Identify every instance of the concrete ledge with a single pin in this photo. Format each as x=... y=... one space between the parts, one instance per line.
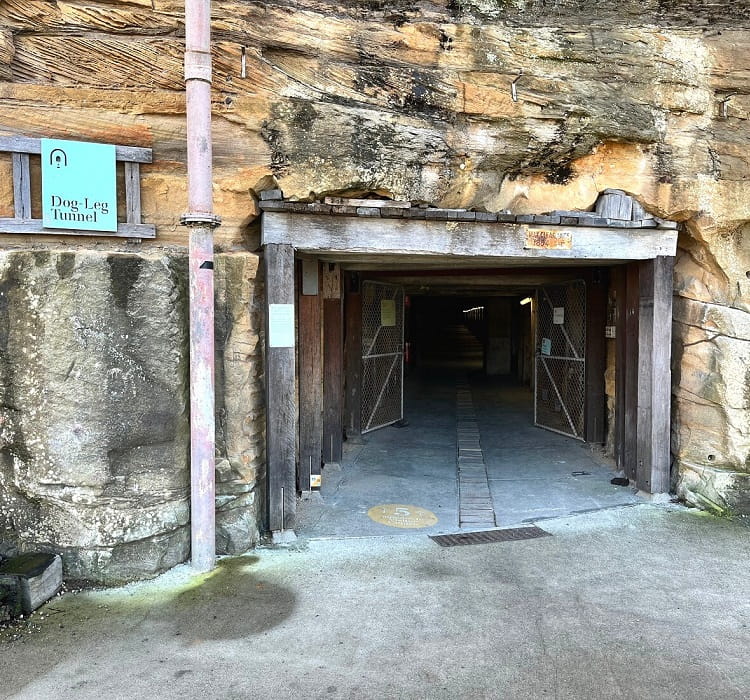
x=283 y=536
x=654 y=497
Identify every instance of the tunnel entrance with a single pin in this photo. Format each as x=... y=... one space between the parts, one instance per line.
x=451 y=424
x=468 y=272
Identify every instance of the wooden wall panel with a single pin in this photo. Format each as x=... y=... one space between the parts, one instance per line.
x=333 y=365
x=353 y=356
x=595 y=423
x=310 y=356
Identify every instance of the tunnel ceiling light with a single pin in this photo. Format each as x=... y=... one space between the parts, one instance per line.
x=525 y=301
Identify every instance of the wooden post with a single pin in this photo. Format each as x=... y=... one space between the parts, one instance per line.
x=333 y=358
x=353 y=355
x=630 y=368
x=281 y=394
x=618 y=286
x=596 y=356
x=132 y=192
x=654 y=376
x=21 y=186
x=310 y=355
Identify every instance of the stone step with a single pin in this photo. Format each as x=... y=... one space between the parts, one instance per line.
x=28 y=580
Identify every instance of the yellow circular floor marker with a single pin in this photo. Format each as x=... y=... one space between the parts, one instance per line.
x=403 y=516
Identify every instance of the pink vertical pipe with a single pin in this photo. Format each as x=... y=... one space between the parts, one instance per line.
x=202 y=487
x=198 y=95
x=201 y=222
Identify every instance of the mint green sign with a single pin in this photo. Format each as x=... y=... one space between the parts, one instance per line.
x=79 y=185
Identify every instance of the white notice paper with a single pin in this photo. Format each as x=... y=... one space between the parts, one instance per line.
x=281 y=325
x=558 y=315
x=387 y=312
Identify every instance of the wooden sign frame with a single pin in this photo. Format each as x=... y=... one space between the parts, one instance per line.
x=22 y=148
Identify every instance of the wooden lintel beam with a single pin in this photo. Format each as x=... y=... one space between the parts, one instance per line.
x=531 y=274
x=350 y=235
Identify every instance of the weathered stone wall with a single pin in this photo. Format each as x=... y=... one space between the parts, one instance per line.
x=240 y=418
x=412 y=100
x=94 y=434
x=94 y=427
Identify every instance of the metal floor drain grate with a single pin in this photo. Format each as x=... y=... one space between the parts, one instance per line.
x=488 y=536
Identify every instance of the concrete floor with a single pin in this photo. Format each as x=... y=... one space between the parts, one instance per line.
x=531 y=472
x=414 y=465
x=637 y=602
x=535 y=473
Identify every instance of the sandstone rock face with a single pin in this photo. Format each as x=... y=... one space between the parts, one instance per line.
x=94 y=434
x=240 y=414
x=527 y=105
x=711 y=440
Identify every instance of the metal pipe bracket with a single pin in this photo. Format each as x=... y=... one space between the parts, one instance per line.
x=198 y=66
x=208 y=220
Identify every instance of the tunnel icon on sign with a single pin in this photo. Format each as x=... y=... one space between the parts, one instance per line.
x=58 y=158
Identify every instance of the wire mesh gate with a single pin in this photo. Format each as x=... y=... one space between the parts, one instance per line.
x=382 y=355
x=560 y=387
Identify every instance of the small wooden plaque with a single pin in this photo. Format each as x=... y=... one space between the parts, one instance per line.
x=548 y=240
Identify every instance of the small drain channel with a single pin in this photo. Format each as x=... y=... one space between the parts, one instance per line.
x=475 y=507
x=489 y=536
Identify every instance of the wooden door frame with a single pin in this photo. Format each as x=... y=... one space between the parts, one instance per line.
x=333 y=364
x=281 y=396
x=352 y=356
x=648 y=307
x=595 y=406
x=310 y=358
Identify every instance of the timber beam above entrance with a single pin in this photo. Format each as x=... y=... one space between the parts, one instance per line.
x=453 y=239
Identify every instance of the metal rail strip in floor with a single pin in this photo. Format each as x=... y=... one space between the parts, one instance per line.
x=475 y=507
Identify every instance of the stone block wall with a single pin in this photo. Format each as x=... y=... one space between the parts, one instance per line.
x=94 y=431
x=93 y=390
